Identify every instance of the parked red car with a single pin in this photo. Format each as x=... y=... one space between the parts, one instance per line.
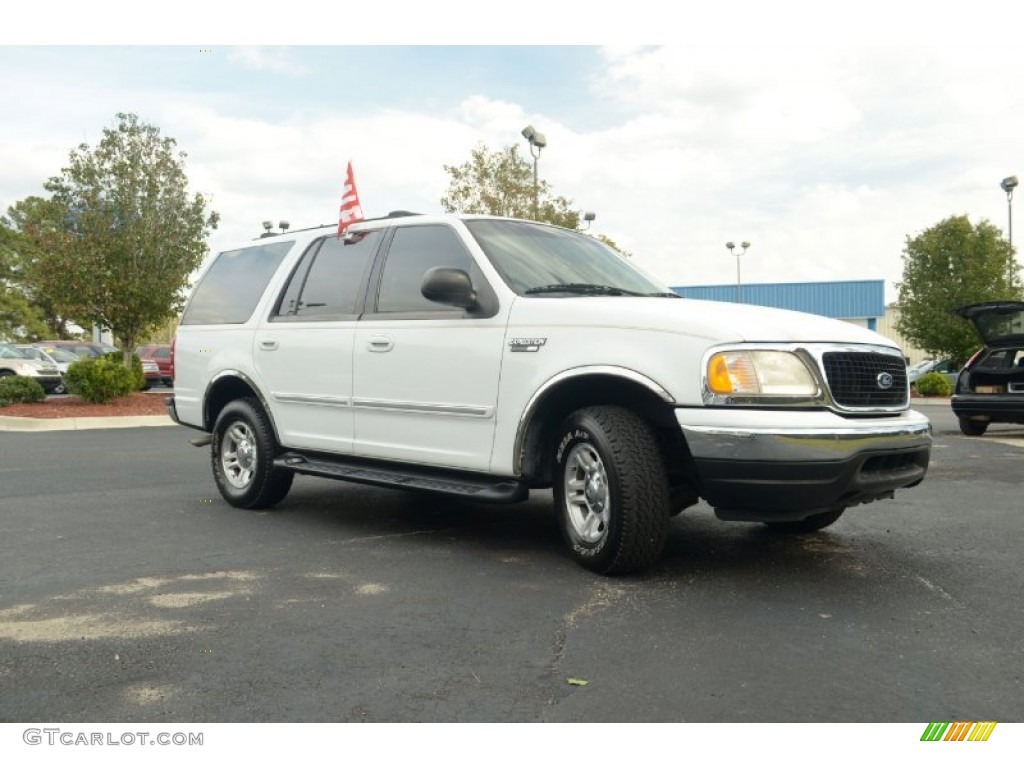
x=162 y=355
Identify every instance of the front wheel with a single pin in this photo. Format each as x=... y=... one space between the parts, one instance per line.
x=809 y=524
x=972 y=428
x=611 y=490
x=242 y=454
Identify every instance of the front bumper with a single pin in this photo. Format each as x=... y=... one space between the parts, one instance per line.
x=784 y=465
x=48 y=383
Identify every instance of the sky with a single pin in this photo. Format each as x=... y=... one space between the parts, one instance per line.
x=823 y=137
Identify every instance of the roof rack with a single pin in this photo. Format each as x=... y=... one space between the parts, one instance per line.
x=390 y=215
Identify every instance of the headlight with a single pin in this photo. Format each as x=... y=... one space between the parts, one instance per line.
x=748 y=376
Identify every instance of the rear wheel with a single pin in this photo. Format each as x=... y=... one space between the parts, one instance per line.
x=972 y=428
x=611 y=490
x=242 y=454
x=809 y=524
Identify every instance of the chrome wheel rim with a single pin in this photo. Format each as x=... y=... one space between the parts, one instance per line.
x=238 y=454
x=587 y=500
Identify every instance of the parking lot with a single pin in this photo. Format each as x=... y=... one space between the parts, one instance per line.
x=130 y=592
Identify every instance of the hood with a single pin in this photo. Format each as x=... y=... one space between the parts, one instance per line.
x=716 y=321
x=998 y=322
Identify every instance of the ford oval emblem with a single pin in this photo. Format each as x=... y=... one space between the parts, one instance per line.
x=884 y=380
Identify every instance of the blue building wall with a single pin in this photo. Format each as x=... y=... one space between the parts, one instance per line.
x=846 y=300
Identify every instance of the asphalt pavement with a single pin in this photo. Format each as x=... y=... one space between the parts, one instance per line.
x=130 y=592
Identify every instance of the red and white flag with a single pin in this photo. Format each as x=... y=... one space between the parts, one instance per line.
x=350 y=211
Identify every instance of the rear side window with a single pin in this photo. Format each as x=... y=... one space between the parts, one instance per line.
x=329 y=281
x=232 y=286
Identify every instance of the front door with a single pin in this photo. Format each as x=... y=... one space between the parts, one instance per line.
x=426 y=374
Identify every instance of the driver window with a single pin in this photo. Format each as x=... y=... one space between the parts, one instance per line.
x=414 y=251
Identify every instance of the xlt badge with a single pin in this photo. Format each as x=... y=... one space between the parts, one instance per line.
x=526 y=345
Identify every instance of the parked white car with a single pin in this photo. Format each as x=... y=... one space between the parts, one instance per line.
x=944 y=367
x=16 y=362
x=61 y=358
x=484 y=357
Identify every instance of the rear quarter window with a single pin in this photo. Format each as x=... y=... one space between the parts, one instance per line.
x=232 y=286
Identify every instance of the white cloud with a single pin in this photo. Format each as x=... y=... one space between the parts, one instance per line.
x=824 y=158
x=265 y=58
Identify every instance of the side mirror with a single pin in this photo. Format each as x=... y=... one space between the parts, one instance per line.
x=447 y=285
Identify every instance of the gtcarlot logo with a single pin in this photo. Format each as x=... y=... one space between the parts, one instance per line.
x=57 y=736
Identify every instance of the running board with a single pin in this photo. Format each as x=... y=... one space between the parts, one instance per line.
x=465 y=485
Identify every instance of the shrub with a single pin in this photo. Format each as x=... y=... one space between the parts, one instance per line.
x=20 y=389
x=100 y=379
x=934 y=385
x=140 y=377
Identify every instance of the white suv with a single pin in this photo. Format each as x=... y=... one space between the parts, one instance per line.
x=484 y=357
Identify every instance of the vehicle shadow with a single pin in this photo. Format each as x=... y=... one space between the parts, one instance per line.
x=698 y=546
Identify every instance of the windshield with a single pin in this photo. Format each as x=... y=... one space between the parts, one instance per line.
x=62 y=355
x=538 y=259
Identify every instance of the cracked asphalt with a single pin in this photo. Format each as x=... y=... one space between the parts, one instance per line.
x=129 y=592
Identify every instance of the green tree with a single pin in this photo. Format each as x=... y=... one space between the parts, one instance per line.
x=950 y=265
x=500 y=183
x=119 y=235
x=41 y=224
x=614 y=246
x=20 y=318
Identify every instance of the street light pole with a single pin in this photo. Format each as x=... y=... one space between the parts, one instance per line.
x=739 y=282
x=537 y=143
x=1008 y=184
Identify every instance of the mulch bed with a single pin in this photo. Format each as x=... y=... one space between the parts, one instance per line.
x=136 y=404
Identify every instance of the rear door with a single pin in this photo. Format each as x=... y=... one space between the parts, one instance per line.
x=303 y=351
x=998 y=322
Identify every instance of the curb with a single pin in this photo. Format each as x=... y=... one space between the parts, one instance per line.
x=28 y=424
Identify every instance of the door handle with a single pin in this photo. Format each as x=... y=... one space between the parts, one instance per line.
x=380 y=344
x=268 y=344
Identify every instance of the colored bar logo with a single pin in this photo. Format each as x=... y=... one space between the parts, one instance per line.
x=958 y=731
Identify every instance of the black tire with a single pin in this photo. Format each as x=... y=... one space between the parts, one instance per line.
x=242 y=455
x=809 y=524
x=168 y=382
x=611 y=490
x=60 y=389
x=972 y=428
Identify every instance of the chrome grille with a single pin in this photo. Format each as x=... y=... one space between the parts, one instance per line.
x=854 y=378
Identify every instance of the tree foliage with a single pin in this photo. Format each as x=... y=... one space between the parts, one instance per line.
x=951 y=265
x=119 y=235
x=500 y=183
x=20 y=318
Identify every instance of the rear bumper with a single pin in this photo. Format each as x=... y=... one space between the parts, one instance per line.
x=758 y=465
x=172 y=411
x=1007 y=407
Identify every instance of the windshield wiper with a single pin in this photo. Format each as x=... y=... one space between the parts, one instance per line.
x=586 y=289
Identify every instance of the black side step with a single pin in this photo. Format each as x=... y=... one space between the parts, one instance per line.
x=476 y=487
